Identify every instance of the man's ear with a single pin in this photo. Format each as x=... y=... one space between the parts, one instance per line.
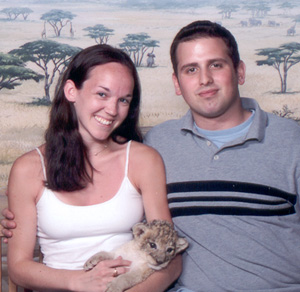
x=176 y=84
x=241 y=72
x=70 y=91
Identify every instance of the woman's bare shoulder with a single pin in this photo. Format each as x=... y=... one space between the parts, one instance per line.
x=28 y=164
x=138 y=146
x=142 y=152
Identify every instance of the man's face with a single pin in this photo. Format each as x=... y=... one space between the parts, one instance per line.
x=208 y=82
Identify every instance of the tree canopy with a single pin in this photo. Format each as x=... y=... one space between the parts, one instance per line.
x=99 y=33
x=136 y=46
x=13 y=12
x=258 y=8
x=227 y=9
x=50 y=56
x=282 y=59
x=286 y=6
x=58 y=19
x=12 y=71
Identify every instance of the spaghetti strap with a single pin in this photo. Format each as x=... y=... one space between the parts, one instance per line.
x=127 y=157
x=42 y=161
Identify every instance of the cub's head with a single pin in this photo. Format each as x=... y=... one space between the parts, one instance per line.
x=159 y=241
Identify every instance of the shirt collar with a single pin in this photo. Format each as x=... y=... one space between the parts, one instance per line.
x=256 y=131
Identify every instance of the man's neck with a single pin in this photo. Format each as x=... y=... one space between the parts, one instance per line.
x=228 y=120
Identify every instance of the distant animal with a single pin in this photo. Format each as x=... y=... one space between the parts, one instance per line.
x=291 y=31
x=150 y=60
x=255 y=22
x=244 y=23
x=273 y=23
x=72 y=32
x=153 y=246
x=43 y=34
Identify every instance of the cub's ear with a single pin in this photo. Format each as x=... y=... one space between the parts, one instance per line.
x=181 y=244
x=139 y=229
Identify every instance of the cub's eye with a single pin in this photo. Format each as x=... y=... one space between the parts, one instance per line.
x=152 y=245
x=170 y=250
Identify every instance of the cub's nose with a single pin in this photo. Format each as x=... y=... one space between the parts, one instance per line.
x=160 y=260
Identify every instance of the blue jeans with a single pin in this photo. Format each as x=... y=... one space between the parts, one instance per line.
x=184 y=290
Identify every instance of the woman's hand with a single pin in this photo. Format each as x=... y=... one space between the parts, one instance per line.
x=100 y=276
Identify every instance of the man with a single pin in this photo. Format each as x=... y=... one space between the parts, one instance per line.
x=233 y=173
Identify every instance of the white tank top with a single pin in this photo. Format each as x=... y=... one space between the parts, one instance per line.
x=68 y=235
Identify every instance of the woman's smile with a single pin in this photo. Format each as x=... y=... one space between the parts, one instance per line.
x=103 y=121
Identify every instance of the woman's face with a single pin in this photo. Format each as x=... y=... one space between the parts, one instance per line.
x=102 y=104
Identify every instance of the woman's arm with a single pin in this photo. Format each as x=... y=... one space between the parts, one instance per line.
x=148 y=173
x=146 y=168
x=25 y=184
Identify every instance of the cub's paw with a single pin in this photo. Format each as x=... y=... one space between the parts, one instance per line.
x=113 y=287
x=91 y=262
x=95 y=259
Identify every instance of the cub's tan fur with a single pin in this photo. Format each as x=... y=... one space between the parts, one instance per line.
x=153 y=246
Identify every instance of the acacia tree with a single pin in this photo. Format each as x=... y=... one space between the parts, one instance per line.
x=58 y=19
x=99 y=33
x=227 y=9
x=258 y=8
x=282 y=59
x=12 y=71
x=136 y=45
x=10 y=13
x=25 y=11
x=50 y=56
x=287 y=7
x=13 y=12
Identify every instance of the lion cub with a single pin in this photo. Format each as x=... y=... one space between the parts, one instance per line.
x=153 y=246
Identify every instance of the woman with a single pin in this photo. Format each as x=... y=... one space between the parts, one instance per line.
x=83 y=190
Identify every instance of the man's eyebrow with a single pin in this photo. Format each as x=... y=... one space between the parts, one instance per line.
x=188 y=65
x=195 y=64
x=218 y=60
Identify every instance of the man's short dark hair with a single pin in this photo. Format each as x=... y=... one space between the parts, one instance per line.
x=205 y=29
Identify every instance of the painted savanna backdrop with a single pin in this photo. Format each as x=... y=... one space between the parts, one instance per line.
x=38 y=38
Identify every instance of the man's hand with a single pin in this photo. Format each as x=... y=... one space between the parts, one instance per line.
x=7 y=224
